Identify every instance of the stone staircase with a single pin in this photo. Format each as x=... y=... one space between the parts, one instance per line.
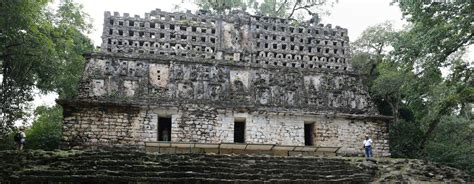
x=139 y=167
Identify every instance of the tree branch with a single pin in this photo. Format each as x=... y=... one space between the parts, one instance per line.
x=281 y=7
x=293 y=10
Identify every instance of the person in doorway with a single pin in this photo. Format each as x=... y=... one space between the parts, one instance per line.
x=368 y=146
x=165 y=134
x=20 y=138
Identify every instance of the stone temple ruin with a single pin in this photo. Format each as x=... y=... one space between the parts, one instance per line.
x=239 y=78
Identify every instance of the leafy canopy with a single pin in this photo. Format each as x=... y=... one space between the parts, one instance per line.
x=39 y=49
x=419 y=75
x=288 y=9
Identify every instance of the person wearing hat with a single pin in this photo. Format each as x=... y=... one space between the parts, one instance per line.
x=368 y=146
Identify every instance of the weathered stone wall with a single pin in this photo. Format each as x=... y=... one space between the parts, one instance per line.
x=274 y=129
x=349 y=135
x=107 y=126
x=168 y=80
x=124 y=126
x=201 y=124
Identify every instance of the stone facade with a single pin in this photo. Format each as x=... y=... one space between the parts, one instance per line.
x=205 y=73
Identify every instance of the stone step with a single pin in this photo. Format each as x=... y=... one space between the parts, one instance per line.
x=228 y=160
x=204 y=168
x=207 y=158
x=187 y=174
x=146 y=180
x=138 y=175
x=136 y=165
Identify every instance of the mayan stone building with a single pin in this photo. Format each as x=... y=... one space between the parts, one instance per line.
x=204 y=78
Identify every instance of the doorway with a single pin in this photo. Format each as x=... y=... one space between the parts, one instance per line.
x=308 y=134
x=239 y=132
x=164 y=129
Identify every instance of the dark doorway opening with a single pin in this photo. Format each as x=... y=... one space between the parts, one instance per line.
x=164 y=129
x=239 y=132
x=308 y=134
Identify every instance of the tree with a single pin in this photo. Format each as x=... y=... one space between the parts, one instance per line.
x=376 y=40
x=39 y=49
x=439 y=31
x=406 y=74
x=288 y=9
x=371 y=57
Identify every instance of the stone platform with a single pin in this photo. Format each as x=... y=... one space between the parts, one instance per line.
x=235 y=148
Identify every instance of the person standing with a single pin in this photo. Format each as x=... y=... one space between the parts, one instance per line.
x=165 y=135
x=368 y=146
x=20 y=138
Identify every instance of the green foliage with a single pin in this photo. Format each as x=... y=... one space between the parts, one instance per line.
x=46 y=131
x=453 y=143
x=375 y=39
x=8 y=142
x=39 y=49
x=288 y=9
x=224 y=6
x=432 y=112
x=404 y=138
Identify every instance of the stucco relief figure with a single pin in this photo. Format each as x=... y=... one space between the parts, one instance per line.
x=176 y=73
x=276 y=80
x=221 y=74
x=276 y=92
x=291 y=98
x=311 y=88
x=340 y=100
x=263 y=95
x=123 y=68
x=213 y=74
x=109 y=68
x=361 y=102
x=199 y=91
x=140 y=69
x=206 y=74
x=259 y=80
x=292 y=82
x=282 y=97
x=201 y=73
x=215 y=91
x=239 y=86
x=170 y=91
x=194 y=74
x=186 y=91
